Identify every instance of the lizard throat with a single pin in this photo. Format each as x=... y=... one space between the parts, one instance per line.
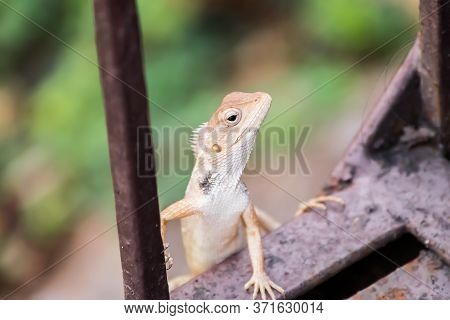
x=217 y=171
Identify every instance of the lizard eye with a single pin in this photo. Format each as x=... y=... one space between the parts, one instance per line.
x=232 y=117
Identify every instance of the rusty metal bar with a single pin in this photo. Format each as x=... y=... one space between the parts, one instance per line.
x=435 y=65
x=399 y=105
x=126 y=108
x=428 y=270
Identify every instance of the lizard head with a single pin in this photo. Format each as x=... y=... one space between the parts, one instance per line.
x=238 y=118
x=223 y=145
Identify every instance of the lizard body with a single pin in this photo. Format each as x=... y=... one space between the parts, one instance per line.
x=218 y=216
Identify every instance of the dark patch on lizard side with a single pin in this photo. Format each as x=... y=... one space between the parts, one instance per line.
x=206 y=182
x=244 y=188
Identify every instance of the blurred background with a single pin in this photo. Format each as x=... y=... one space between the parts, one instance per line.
x=56 y=200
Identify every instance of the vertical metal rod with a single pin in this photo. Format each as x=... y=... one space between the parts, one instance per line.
x=435 y=65
x=126 y=108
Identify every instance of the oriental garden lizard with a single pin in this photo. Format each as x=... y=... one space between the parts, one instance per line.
x=218 y=217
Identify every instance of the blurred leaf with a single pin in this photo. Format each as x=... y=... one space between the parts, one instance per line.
x=27 y=49
x=354 y=26
x=47 y=219
x=163 y=22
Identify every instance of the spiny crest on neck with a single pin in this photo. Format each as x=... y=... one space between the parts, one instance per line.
x=194 y=141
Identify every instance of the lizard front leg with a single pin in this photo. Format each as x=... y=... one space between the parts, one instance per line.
x=178 y=210
x=260 y=280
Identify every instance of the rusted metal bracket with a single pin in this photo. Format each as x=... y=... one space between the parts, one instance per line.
x=126 y=108
x=395 y=285
x=394 y=181
x=382 y=204
x=435 y=65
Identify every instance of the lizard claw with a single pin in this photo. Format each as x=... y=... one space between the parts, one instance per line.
x=168 y=260
x=318 y=203
x=262 y=283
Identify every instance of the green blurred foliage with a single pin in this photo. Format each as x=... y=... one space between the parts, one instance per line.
x=354 y=26
x=188 y=70
x=164 y=22
x=25 y=44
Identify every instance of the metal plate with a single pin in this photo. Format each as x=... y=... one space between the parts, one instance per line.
x=429 y=271
x=383 y=203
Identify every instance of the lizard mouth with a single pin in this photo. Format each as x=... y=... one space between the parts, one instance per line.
x=264 y=108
